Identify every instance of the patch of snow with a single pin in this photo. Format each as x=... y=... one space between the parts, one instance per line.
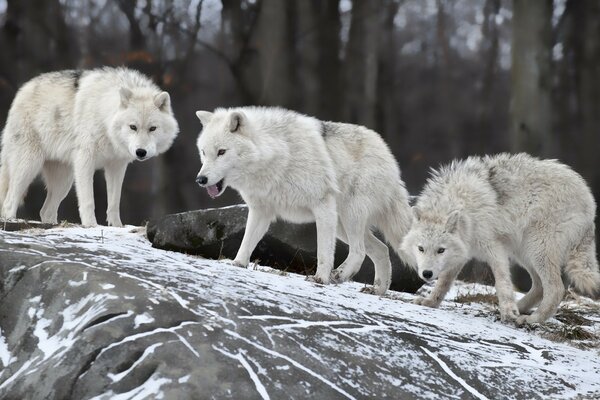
x=141 y=319
x=149 y=390
x=107 y=286
x=5 y=355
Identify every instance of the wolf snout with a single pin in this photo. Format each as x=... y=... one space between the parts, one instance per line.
x=141 y=153
x=201 y=180
x=427 y=274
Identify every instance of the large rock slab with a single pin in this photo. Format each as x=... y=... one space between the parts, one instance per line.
x=98 y=313
x=217 y=233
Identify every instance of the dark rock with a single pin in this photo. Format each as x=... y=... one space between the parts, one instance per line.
x=217 y=233
x=19 y=225
x=98 y=313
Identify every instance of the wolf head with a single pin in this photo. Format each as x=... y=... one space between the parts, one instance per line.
x=225 y=146
x=437 y=244
x=144 y=125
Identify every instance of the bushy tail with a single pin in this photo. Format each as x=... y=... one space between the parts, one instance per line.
x=3 y=182
x=394 y=223
x=582 y=267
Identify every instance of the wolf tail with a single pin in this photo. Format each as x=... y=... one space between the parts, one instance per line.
x=3 y=181
x=582 y=266
x=395 y=221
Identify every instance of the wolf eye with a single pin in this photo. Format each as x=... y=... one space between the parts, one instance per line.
x=152 y=129
x=221 y=152
x=441 y=250
x=133 y=127
x=420 y=248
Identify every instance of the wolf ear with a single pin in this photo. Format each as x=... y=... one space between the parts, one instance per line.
x=126 y=95
x=453 y=221
x=236 y=121
x=162 y=101
x=204 y=117
x=416 y=212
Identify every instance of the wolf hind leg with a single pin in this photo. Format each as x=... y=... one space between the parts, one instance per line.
x=553 y=292
x=533 y=296
x=22 y=169
x=354 y=228
x=378 y=252
x=59 y=180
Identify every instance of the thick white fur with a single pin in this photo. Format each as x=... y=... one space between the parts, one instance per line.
x=300 y=169
x=539 y=213
x=67 y=124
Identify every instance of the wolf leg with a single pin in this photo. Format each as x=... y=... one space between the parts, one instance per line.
x=553 y=293
x=84 y=184
x=326 y=218
x=378 y=252
x=533 y=296
x=22 y=172
x=256 y=226
x=59 y=179
x=500 y=266
x=354 y=229
x=114 y=173
x=443 y=284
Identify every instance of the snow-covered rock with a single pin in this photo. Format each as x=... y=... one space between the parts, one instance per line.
x=217 y=233
x=98 y=313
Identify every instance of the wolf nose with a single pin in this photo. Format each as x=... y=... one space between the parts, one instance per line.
x=141 y=153
x=201 y=180
x=427 y=274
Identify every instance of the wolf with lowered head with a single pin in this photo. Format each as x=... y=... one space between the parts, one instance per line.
x=538 y=213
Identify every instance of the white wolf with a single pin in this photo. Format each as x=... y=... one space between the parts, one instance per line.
x=67 y=124
x=300 y=169
x=539 y=213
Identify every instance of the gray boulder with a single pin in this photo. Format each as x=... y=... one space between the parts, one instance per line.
x=98 y=313
x=217 y=233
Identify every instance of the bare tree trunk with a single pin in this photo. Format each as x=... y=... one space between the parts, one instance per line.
x=387 y=107
x=589 y=89
x=530 y=106
x=137 y=39
x=481 y=136
x=274 y=62
x=362 y=62
x=308 y=45
x=318 y=59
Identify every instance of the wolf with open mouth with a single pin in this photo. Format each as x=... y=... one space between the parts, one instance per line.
x=294 y=167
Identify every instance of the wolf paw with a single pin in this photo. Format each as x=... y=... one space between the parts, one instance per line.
x=318 y=279
x=426 y=301
x=337 y=276
x=509 y=312
x=234 y=263
x=373 y=290
x=527 y=320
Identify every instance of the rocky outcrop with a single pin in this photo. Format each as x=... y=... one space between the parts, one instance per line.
x=217 y=233
x=98 y=313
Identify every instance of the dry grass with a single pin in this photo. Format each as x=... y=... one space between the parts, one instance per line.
x=469 y=298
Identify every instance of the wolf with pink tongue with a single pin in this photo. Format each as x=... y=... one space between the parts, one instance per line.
x=294 y=167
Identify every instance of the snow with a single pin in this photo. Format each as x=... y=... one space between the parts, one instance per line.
x=466 y=341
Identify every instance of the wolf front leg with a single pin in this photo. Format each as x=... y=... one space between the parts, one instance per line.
x=326 y=217
x=443 y=284
x=114 y=174
x=256 y=227
x=498 y=261
x=83 y=165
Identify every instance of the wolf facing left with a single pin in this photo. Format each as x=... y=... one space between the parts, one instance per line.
x=68 y=124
